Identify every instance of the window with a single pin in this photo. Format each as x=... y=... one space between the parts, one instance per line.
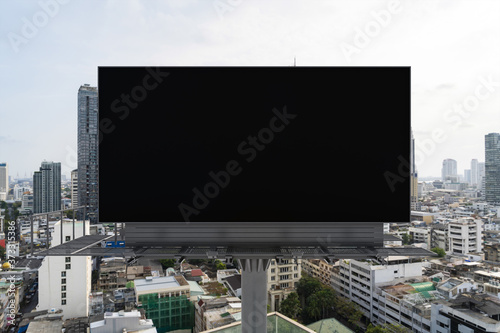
x=63 y=302
x=68 y=266
x=63 y=281
x=63 y=273
x=68 y=259
x=63 y=288
x=63 y=295
x=272 y=270
x=295 y=275
x=68 y=238
x=273 y=278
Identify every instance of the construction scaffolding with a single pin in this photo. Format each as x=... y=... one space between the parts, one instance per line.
x=168 y=313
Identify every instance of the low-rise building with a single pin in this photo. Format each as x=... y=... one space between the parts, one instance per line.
x=282 y=278
x=468 y=313
x=318 y=269
x=211 y=313
x=122 y=321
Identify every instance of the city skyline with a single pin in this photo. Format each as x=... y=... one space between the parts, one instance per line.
x=42 y=69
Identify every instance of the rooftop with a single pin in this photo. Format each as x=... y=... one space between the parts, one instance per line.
x=45 y=326
x=329 y=325
x=155 y=283
x=234 y=281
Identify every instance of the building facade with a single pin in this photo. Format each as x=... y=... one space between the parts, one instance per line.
x=47 y=188
x=4 y=181
x=465 y=236
x=282 y=278
x=74 y=188
x=65 y=282
x=492 y=168
x=356 y=280
x=88 y=140
x=166 y=301
x=449 y=169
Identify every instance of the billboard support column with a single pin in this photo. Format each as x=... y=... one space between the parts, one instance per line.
x=254 y=295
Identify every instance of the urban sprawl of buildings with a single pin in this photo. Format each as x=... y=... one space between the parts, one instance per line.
x=456 y=216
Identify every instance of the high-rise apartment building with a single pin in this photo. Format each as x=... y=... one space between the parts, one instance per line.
x=492 y=168
x=47 y=188
x=474 y=172
x=88 y=140
x=449 y=169
x=413 y=176
x=480 y=172
x=4 y=181
x=74 y=188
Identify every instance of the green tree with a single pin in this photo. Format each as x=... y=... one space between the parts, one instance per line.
x=439 y=251
x=306 y=287
x=220 y=265
x=375 y=329
x=407 y=239
x=326 y=298
x=290 y=306
x=166 y=263
x=69 y=213
x=347 y=309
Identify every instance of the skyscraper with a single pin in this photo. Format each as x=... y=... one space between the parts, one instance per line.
x=4 y=181
x=47 y=188
x=480 y=172
x=413 y=176
x=492 y=168
x=449 y=169
x=88 y=139
x=467 y=176
x=474 y=172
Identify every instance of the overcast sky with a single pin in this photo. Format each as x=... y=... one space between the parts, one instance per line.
x=49 y=48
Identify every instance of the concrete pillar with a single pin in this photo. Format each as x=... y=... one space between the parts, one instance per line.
x=254 y=295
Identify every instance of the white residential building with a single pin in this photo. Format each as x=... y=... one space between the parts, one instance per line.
x=358 y=279
x=19 y=191
x=123 y=322
x=468 y=313
x=282 y=279
x=420 y=235
x=465 y=236
x=65 y=282
x=4 y=181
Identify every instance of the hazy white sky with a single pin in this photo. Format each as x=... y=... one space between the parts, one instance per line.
x=49 y=48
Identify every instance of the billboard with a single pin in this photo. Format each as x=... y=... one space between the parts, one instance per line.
x=253 y=147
